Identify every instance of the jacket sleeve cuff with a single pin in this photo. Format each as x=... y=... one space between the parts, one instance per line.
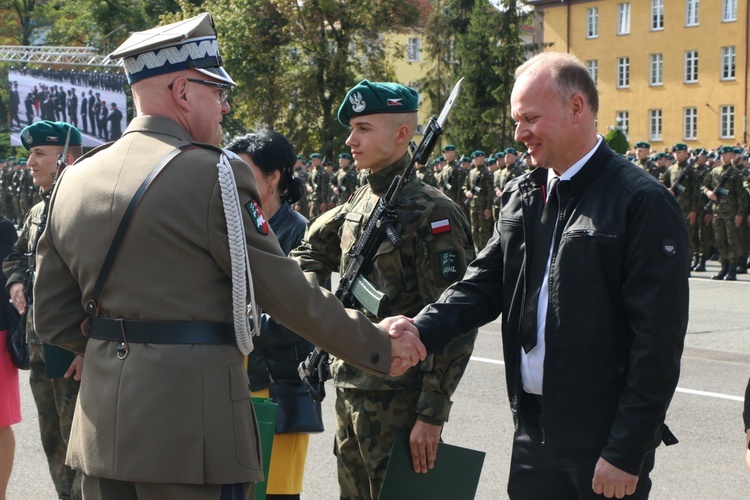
x=433 y=406
x=629 y=462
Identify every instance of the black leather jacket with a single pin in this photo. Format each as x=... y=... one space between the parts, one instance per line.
x=618 y=305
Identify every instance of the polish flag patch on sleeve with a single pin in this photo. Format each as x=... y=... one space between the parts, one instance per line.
x=440 y=226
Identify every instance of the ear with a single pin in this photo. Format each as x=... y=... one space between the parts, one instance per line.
x=402 y=134
x=577 y=105
x=274 y=177
x=179 y=93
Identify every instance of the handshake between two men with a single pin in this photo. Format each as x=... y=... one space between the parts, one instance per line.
x=406 y=348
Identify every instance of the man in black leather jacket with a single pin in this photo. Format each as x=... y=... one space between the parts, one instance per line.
x=589 y=397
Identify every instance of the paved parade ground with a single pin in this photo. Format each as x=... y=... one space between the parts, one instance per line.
x=705 y=415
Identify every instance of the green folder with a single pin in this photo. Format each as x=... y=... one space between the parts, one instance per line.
x=56 y=360
x=455 y=475
x=265 y=413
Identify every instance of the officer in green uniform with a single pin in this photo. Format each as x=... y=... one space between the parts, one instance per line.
x=702 y=233
x=680 y=178
x=55 y=397
x=643 y=160
x=436 y=247
x=320 y=181
x=723 y=186
x=347 y=181
x=479 y=191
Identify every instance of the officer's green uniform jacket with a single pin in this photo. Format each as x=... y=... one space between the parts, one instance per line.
x=733 y=202
x=321 y=184
x=413 y=275
x=689 y=196
x=17 y=263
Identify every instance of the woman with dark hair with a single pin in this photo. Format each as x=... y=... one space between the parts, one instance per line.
x=278 y=351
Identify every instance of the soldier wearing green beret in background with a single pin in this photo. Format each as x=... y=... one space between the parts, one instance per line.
x=682 y=180
x=702 y=233
x=347 y=180
x=643 y=160
x=320 y=181
x=452 y=176
x=435 y=251
x=55 y=398
x=723 y=186
x=479 y=191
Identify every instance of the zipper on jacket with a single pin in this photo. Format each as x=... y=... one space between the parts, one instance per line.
x=592 y=233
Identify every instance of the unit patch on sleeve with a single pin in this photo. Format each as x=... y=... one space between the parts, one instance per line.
x=449 y=265
x=440 y=226
x=259 y=220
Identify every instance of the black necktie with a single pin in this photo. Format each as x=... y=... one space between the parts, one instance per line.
x=540 y=254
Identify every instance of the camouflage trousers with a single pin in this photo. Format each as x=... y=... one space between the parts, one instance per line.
x=701 y=235
x=727 y=238
x=55 y=400
x=481 y=228
x=744 y=240
x=366 y=423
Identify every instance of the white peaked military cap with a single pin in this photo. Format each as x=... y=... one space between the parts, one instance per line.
x=174 y=47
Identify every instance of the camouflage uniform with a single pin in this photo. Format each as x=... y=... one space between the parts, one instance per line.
x=702 y=234
x=435 y=252
x=744 y=227
x=362 y=177
x=729 y=205
x=687 y=191
x=648 y=165
x=479 y=182
x=55 y=398
x=347 y=184
x=303 y=205
x=452 y=178
x=6 y=181
x=427 y=176
x=320 y=181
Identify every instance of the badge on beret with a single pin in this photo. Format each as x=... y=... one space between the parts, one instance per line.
x=358 y=104
x=448 y=267
x=256 y=214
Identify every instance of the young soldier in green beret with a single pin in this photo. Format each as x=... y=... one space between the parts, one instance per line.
x=346 y=177
x=435 y=251
x=478 y=189
x=643 y=160
x=55 y=398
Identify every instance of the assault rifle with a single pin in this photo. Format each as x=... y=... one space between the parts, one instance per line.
x=677 y=187
x=354 y=289
x=720 y=189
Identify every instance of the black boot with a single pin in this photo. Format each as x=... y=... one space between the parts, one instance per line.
x=696 y=261
x=701 y=267
x=723 y=272
x=732 y=273
x=742 y=267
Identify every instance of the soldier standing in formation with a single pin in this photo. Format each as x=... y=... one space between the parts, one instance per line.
x=723 y=187
x=479 y=191
x=702 y=232
x=300 y=172
x=55 y=397
x=321 y=186
x=346 y=179
x=435 y=250
x=643 y=160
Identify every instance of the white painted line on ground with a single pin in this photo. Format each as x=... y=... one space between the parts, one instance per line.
x=679 y=389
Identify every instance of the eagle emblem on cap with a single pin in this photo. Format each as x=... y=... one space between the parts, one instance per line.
x=358 y=104
x=27 y=138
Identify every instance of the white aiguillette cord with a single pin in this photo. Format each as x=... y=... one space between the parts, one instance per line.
x=246 y=317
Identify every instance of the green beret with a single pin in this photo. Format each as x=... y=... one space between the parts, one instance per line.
x=436 y=161
x=316 y=155
x=659 y=156
x=726 y=149
x=10 y=158
x=477 y=153
x=712 y=155
x=345 y=156
x=441 y=158
x=642 y=144
x=492 y=160
x=737 y=151
x=699 y=151
x=369 y=98
x=511 y=151
x=465 y=159
x=680 y=146
x=449 y=147
x=46 y=133
x=300 y=157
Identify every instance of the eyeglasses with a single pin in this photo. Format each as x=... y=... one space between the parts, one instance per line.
x=225 y=88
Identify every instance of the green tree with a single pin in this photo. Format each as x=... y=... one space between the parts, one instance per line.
x=26 y=16
x=617 y=140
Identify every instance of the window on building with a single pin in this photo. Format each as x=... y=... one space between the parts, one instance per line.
x=593 y=67
x=622 y=119
x=654 y=124
x=691 y=66
x=690 y=124
x=691 y=12
x=623 y=72
x=729 y=10
x=592 y=22
x=726 y=122
x=414 y=49
x=728 y=63
x=656 y=71
x=623 y=19
x=657 y=15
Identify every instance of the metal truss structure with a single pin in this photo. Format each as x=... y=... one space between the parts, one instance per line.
x=48 y=54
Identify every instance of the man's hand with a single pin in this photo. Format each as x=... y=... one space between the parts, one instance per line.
x=17 y=297
x=711 y=195
x=423 y=441
x=738 y=220
x=692 y=216
x=707 y=219
x=406 y=348
x=487 y=213
x=76 y=368
x=611 y=481
x=747 y=449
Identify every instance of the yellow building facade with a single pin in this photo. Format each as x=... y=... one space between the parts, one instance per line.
x=668 y=71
